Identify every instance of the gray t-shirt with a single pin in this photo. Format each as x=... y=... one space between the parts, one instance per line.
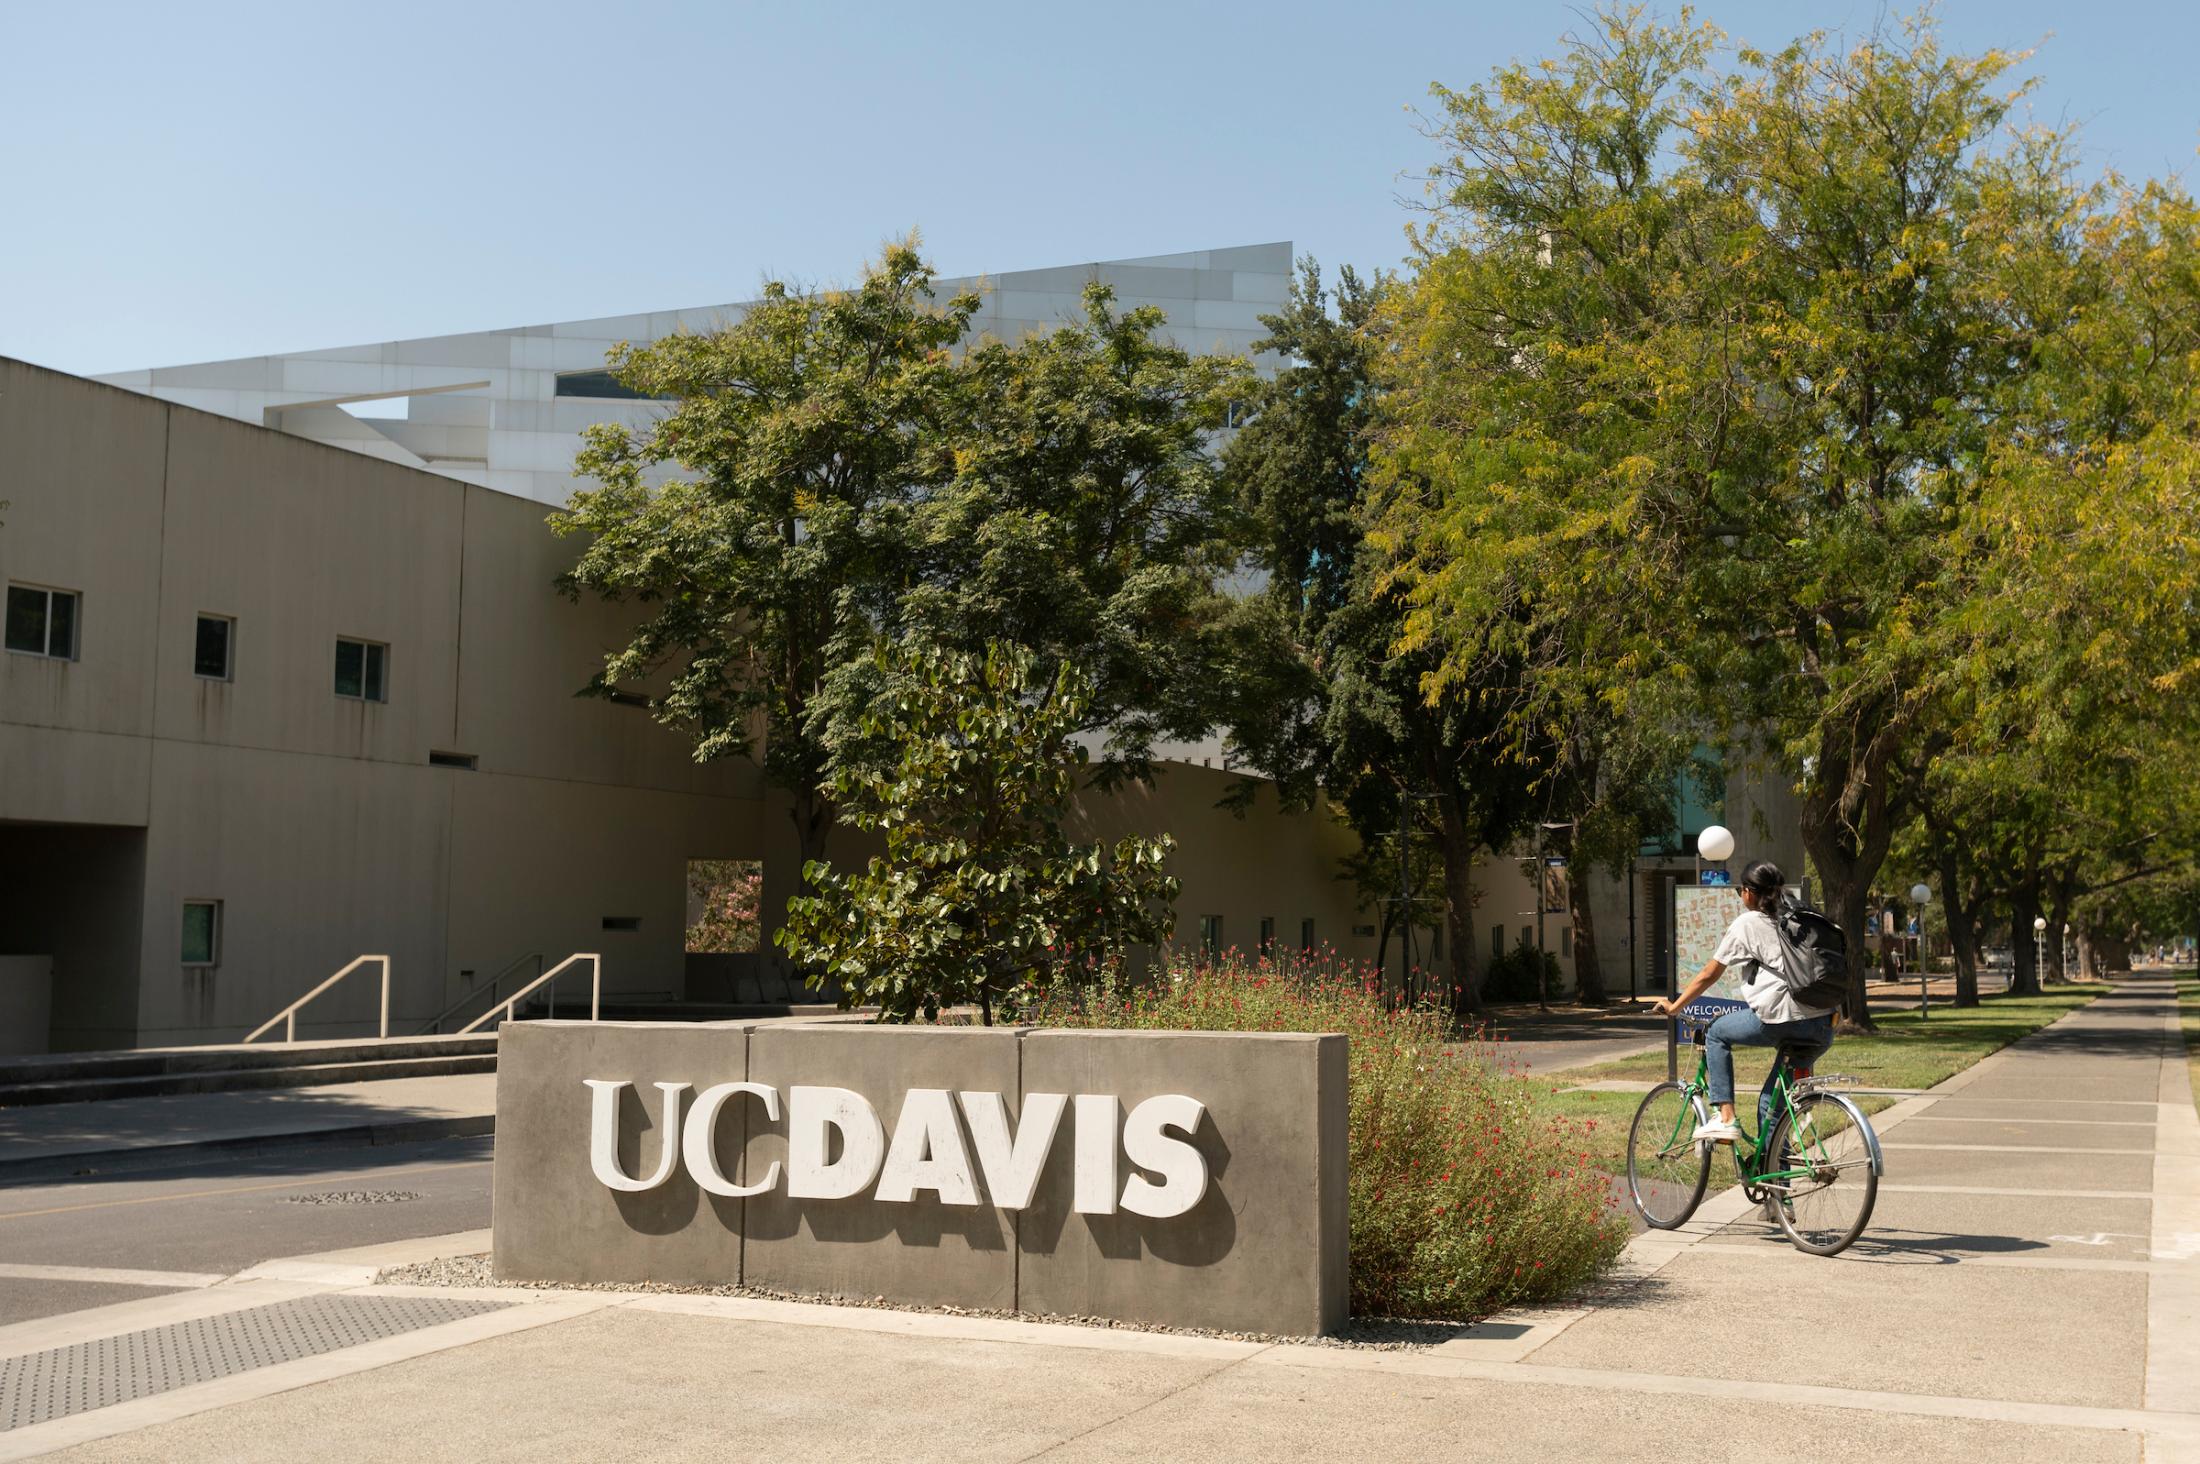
x=1751 y=949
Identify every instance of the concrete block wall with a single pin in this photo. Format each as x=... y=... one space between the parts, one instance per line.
x=1263 y=1250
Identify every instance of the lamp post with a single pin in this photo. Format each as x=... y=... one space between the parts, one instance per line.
x=2039 y=949
x=1921 y=894
x=1715 y=843
x=1542 y=899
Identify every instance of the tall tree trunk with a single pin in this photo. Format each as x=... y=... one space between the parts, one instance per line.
x=1962 y=932
x=1849 y=890
x=2024 y=905
x=1588 y=975
x=1457 y=846
x=1846 y=829
x=812 y=814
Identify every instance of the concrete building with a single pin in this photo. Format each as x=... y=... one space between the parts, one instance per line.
x=289 y=703
x=504 y=409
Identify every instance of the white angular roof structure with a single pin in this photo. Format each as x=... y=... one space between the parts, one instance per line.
x=505 y=408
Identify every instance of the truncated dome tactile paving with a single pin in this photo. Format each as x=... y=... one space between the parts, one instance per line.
x=38 y=1387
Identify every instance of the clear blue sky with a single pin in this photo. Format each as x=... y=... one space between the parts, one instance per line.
x=191 y=182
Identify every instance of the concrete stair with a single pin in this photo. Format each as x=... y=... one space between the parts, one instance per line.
x=89 y=1076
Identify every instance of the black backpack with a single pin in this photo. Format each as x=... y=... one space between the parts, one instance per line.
x=1817 y=957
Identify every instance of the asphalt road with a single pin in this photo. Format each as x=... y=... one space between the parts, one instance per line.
x=220 y=1218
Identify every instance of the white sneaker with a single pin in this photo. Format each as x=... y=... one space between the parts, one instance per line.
x=1718 y=1131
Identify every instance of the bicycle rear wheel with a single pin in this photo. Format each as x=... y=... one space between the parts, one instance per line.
x=1666 y=1168
x=1826 y=1198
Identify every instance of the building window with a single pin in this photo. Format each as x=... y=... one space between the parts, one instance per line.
x=1527 y=937
x=210 y=651
x=464 y=761
x=622 y=922
x=1566 y=941
x=1210 y=935
x=1306 y=936
x=1267 y=935
x=362 y=670
x=1497 y=942
x=202 y=932
x=1436 y=944
x=601 y=386
x=42 y=622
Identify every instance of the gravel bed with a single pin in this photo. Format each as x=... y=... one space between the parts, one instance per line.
x=352 y=1197
x=1374 y=1333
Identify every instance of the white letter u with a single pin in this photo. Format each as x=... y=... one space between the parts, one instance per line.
x=603 y=1134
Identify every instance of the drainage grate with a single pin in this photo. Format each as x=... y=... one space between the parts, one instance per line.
x=61 y=1381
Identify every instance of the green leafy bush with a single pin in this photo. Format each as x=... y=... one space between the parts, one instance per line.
x=1465 y=1198
x=968 y=769
x=1512 y=976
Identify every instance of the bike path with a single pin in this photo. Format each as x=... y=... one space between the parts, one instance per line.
x=2034 y=1242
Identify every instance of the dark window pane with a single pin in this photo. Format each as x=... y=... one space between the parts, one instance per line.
x=26 y=619
x=198 y=933
x=601 y=385
x=211 y=657
x=376 y=689
x=61 y=626
x=350 y=668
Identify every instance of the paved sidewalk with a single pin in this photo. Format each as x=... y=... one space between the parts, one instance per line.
x=59 y=1139
x=2029 y=1291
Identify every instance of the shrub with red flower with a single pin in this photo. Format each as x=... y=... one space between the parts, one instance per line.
x=1465 y=1198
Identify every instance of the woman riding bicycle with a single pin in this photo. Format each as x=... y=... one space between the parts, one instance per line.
x=1774 y=1018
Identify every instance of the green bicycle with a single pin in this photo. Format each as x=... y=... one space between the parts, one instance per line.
x=1816 y=1173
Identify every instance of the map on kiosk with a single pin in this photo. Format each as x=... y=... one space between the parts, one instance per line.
x=1701 y=914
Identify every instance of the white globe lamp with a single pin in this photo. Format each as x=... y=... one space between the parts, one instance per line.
x=1715 y=843
x=1919 y=894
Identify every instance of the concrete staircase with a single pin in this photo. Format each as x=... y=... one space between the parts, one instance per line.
x=151 y=1072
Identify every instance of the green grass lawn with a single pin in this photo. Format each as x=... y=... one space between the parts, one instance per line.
x=1906 y=1052
x=2188 y=1013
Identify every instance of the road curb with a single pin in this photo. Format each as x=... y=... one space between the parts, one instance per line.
x=43 y=1168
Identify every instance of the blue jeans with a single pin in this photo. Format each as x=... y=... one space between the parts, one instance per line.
x=1745 y=1029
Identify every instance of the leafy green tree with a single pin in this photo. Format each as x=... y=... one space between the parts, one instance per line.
x=1699 y=361
x=829 y=471
x=1327 y=700
x=762 y=521
x=1085 y=522
x=968 y=771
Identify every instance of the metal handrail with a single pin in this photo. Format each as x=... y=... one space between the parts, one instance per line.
x=288 y=1016
x=595 y=990
x=473 y=993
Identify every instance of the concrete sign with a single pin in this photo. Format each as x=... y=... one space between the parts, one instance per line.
x=1058 y=1172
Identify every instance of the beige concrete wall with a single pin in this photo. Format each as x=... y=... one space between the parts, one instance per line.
x=541 y=864
x=529 y=650
x=317 y=820
x=81 y=469
x=303 y=545
x=315 y=860
x=1271 y=862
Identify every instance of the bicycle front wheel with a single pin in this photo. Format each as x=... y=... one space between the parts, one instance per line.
x=1666 y=1168
x=1819 y=1174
